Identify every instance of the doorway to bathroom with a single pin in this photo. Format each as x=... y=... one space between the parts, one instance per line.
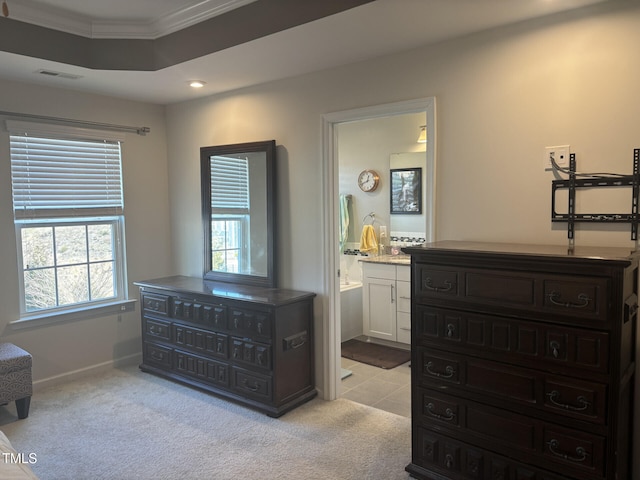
x=354 y=141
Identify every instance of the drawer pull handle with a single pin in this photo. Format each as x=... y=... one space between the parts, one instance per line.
x=451 y=330
x=448 y=286
x=253 y=388
x=580 y=452
x=555 y=348
x=157 y=356
x=449 y=413
x=448 y=460
x=583 y=297
x=449 y=371
x=584 y=403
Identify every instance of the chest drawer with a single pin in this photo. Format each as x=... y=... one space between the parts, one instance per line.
x=453 y=458
x=540 y=444
x=526 y=343
x=531 y=390
x=565 y=295
x=511 y=432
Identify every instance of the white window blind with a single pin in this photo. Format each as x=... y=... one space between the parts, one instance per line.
x=58 y=177
x=229 y=185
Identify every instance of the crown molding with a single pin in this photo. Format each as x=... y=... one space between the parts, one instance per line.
x=156 y=27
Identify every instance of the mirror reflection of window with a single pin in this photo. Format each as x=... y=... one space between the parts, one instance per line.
x=230 y=212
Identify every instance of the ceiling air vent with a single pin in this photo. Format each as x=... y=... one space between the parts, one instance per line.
x=52 y=73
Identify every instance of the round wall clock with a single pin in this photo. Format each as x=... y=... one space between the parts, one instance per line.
x=368 y=180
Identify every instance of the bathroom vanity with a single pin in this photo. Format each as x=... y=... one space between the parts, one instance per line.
x=386 y=297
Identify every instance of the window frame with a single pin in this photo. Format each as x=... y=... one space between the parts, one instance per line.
x=120 y=302
x=119 y=282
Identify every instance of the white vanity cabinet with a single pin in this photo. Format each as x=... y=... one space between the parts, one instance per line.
x=386 y=301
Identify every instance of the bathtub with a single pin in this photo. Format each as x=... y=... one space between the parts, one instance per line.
x=351 y=310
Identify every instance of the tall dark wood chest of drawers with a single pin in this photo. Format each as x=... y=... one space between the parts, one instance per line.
x=249 y=344
x=523 y=361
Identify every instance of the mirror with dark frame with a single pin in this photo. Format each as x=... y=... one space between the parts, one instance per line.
x=238 y=212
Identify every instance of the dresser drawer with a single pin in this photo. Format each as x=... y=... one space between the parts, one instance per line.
x=566 y=295
x=202 y=368
x=158 y=304
x=251 y=353
x=157 y=355
x=530 y=344
x=531 y=390
x=199 y=312
x=251 y=323
x=202 y=341
x=252 y=384
x=157 y=329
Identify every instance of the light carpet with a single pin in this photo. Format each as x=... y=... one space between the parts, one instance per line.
x=126 y=424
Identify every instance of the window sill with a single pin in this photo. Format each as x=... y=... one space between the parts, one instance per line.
x=82 y=313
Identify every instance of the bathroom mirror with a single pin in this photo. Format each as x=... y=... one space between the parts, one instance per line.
x=238 y=212
x=413 y=224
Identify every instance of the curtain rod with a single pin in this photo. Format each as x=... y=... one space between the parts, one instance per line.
x=107 y=126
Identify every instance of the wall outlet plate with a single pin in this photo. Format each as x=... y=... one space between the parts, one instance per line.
x=559 y=153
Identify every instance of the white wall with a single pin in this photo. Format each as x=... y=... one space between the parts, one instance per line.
x=502 y=97
x=73 y=346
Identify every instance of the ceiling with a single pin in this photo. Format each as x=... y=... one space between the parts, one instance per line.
x=254 y=45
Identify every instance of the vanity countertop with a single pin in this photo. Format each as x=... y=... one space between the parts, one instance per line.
x=390 y=259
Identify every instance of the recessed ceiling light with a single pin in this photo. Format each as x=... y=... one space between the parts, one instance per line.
x=196 y=84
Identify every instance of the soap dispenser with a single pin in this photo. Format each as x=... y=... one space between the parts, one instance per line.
x=383 y=239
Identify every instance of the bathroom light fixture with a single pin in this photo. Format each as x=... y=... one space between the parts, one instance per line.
x=422 y=138
x=196 y=84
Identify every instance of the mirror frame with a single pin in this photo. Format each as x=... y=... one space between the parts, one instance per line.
x=269 y=148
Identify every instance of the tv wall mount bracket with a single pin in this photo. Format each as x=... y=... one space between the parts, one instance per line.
x=574 y=183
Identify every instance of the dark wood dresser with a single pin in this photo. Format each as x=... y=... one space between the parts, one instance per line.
x=523 y=361
x=253 y=345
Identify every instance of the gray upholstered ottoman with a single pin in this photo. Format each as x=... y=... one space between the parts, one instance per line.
x=15 y=378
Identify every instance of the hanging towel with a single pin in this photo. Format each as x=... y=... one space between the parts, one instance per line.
x=344 y=220
x=368 y=242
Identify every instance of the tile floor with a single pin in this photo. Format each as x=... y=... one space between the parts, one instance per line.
x=388 y=390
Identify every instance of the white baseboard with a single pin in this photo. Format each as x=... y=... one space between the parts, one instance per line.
x=86 y=371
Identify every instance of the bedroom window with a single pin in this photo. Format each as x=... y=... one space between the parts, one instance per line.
x=69 y=218
x=229 y=212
